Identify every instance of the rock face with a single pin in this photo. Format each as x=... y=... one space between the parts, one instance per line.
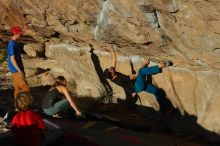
x=186 y=29
x=35 y=50
x=191 y=90
x=185 y=32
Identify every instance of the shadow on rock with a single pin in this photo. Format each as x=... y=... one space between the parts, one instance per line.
x=181 y=125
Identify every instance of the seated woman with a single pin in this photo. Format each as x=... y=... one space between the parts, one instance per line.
x=58 y=99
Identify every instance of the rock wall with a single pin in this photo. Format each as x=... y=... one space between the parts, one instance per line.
x=185 y=32
x=191 y=90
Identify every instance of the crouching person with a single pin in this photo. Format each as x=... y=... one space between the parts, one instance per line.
x=58 y=99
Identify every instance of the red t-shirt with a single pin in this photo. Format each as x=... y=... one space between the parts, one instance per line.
x=27 y=127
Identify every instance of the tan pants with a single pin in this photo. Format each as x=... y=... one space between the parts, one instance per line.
x=20 y=84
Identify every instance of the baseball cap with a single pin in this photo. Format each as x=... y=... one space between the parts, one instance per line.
x=16 y=30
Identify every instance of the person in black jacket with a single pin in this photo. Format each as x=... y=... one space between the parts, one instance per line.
x=141 y=82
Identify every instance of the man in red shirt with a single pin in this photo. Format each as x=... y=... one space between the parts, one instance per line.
x=28 y=127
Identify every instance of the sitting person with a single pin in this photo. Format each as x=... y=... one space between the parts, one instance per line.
x=58 y=99
x=28 y=127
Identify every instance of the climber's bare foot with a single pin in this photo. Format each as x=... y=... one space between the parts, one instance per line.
x=165 y=63
x=161 y=65
x=146 y=62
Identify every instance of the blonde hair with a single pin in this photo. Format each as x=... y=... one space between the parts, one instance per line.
x=23 y=101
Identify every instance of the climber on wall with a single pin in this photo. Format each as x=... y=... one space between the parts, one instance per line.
x=125 y=81
x=141 y=82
